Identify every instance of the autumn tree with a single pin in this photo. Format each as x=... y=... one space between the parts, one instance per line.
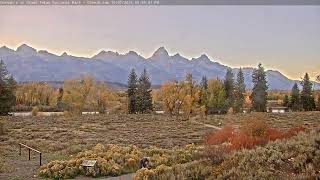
x=132 y=92
x=307 y=98
x=173 y=96
x=143 y=94
x=100 y=97
x=239 y=93
x=35 y=94
x=76 y=92
x=7 y=90
x=229 y=87
x=192 y=96
x=259 y=92
x=85 y=93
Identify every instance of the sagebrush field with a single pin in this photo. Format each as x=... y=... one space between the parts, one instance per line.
x=61 y=138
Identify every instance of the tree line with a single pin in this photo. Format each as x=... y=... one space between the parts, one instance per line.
x=303 y=100
x=75 y=96
x=214 y=95
x=174 y=97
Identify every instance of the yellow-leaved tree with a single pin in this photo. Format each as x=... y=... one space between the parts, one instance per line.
x=173 y=96
x=180 y=97
x=192 y=96
x=35 y=94
x=84 y=93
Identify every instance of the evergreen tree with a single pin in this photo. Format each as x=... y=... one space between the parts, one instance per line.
x=132 y=92
x=295 y=98
x=286 y=101
x=307 y=98
x=204 y=82
x=7 y=90
x=259 y=91
x=144 y=98
x=240 y=90
x=204 y=92
x=229 y=87
x=216 y=96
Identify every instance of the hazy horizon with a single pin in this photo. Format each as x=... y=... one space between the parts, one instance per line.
x=284 y=38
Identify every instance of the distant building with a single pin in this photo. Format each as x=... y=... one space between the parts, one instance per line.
x=275 y=106
x=246 y=110
x=277 y=109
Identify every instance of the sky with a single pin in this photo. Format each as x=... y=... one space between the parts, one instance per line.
x=284 y=38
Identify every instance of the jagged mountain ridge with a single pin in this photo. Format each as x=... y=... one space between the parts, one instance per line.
x=28 y=64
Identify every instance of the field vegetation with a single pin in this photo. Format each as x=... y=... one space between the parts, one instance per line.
x=63 y=140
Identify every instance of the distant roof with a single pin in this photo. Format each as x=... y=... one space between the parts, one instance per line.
x=279 y=107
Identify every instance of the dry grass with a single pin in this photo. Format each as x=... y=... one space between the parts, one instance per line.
x=309 y=120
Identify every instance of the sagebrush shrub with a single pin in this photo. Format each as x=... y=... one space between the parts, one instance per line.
x=296 y=157
x=216 y=153
x=113 y=160
x=274 y=134
x=35 y=111
x=255 y=125
x=294 y=131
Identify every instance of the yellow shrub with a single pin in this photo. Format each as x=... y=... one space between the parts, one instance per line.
x=35 y=111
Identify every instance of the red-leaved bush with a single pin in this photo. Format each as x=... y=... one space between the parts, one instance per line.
x=220 y=136
x=253 y=132
x=273 y=134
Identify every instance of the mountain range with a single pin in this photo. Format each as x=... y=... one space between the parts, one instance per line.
x=28 y=64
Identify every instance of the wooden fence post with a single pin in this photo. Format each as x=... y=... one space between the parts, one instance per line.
x=29 y=150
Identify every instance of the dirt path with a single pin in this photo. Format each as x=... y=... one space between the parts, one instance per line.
x=19 y=167
x=206 y=125
x=122 y=177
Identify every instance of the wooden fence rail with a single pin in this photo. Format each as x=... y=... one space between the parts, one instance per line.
x=30 y=149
